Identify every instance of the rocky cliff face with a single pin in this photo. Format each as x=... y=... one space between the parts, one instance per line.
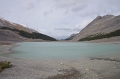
x=10 y=31
x=100 y=26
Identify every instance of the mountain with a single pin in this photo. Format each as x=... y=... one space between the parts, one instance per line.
x=7 y=35
x=10 y=31
x=71 y=37
x=101 y=27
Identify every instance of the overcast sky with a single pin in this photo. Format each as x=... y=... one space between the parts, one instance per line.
x=56 y=18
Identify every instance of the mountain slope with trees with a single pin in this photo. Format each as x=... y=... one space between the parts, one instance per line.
x=10 y=31
x=101 y=27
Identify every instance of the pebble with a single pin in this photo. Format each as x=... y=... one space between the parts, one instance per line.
x=87 y=69
x=96 y=75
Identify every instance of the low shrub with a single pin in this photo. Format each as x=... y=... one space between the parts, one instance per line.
x=4 y=65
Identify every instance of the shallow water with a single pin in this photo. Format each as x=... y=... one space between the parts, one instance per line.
x=62 y=50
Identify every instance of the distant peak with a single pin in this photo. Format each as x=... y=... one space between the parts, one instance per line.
x=2 y=18
x=106 y=16
x=98 y=18
x=109 y=15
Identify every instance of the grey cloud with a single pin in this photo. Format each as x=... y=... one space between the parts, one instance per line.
x=88 y=7
x=76 y=29
x=71 y=5
x=47 y=12
x=63 y=29
x=78 y=7
x=28 y=5
x=65 y=3
x=31 y=5
x=104 y=7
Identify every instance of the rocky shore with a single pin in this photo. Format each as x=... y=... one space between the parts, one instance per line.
x=107 y=67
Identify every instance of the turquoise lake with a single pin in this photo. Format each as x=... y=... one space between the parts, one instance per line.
x=62 y=50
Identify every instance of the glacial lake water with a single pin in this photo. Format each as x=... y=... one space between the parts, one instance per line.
x=62 y=50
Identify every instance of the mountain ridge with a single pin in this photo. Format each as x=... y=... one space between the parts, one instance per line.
x=101 y=25
x=6 y=23
x=10 y=31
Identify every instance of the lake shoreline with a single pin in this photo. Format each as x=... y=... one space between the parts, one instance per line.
x=97 y=68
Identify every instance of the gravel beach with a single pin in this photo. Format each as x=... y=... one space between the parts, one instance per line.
x=107 y=67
